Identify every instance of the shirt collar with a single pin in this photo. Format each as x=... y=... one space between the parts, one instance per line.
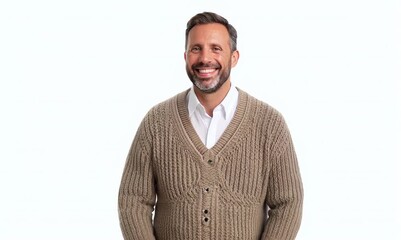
x=193 y=101
x=228 y=104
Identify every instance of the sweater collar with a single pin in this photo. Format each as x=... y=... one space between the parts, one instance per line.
x=186 y=131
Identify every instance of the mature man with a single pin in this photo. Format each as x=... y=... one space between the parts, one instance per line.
x=220 y=163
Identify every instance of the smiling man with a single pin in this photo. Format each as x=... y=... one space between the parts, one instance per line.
x=220 y=163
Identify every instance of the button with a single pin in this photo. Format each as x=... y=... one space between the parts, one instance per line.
x=205 y=211
x=207 y=190
x=206 y=219
x=210 y=161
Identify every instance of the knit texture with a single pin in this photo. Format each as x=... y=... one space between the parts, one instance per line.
x=247 y=186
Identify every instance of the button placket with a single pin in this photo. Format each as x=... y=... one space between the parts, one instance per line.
x=205 y=211
x=210 y=158
x=209 y=181
x=206 y=217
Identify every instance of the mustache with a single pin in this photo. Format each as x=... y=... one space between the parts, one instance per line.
x=205 y=65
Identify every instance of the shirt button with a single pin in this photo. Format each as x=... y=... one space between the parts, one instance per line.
x=210 y=161
x=207 y=190
x=205 y=211
x=206 y=219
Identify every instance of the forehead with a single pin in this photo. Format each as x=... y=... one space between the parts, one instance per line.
x=211 y=32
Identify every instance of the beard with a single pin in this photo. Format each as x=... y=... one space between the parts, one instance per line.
x=216 y=83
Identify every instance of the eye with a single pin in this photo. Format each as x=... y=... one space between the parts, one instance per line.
x=217 y=49
x=195 y=49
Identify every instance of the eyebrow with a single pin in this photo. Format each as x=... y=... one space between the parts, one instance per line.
x=202 y=45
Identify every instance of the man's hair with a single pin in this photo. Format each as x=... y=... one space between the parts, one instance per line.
x=209 y=17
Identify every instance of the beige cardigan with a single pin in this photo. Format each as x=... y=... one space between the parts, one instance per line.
x=247 y=186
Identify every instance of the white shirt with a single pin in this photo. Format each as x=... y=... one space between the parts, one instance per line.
x=210 y=129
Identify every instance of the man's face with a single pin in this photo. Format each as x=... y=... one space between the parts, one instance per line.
x=208 y=56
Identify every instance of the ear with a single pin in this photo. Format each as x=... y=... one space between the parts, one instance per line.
x=234 y=58
x=185 y=56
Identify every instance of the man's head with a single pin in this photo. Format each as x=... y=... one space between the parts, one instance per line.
x=209 y=17
x=210 y=51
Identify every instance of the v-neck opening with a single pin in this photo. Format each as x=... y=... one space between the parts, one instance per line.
x=188 y=132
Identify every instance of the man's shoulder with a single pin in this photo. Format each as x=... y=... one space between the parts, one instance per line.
x=167 y=106
x=260 y=105
x=264 y=115
x=171 y=101
x=162 y=112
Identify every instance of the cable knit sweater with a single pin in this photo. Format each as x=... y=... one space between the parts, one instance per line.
x=247 y=186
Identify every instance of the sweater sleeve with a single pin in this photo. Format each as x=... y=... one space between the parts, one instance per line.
x=285 y=191
x=137 y=195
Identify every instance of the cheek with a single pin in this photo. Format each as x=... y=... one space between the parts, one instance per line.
x=224 y=61
x=191 y=60
x=188 y=66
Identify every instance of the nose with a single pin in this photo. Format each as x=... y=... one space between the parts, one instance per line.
x=205 y=56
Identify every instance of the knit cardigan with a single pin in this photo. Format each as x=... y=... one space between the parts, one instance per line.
x=247 y=186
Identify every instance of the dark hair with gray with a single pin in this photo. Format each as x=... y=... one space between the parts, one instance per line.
x=209 y=17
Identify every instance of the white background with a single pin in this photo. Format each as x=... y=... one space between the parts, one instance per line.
x=76 y=78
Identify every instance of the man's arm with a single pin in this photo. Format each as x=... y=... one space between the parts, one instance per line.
x=137 y=191
x=285 y=191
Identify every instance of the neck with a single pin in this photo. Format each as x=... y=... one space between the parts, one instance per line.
x=211 y=100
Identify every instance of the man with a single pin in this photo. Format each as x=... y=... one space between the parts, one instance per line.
x=220 y=162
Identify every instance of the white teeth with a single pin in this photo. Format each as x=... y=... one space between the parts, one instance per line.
x=206 y=70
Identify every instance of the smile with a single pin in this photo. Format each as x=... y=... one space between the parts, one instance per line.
x=206 y=73
x=203 y=71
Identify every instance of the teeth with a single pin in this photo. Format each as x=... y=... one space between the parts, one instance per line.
x=206 y=70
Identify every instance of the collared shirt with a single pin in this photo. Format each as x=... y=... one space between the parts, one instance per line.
x=210 y=129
